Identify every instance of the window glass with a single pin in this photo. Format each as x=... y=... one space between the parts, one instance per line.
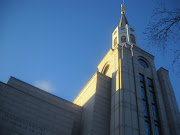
x=145 y=108
x=145 y=104
x=142 y=84
x=149 y=82
x=156 y=123
x=141 y=78
x=115 y=41
x=146 y=118
x=152 y=97
x=154 y=112
x=154 y=107
x=133 y=40
x=143 y=63
x=123 y=39
x=150 y=88
x=132 y=29
x=106 y=69
x=143 y=93
x=157 y=130
x=147 y=128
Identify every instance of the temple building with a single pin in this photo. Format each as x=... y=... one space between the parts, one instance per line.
x=126 y=96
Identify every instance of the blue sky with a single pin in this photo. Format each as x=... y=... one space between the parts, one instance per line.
x=58 y=44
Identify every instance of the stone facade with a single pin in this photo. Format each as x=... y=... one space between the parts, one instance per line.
x=110 y=103
x=126 y=97
x=26 y=110
x=96 y=110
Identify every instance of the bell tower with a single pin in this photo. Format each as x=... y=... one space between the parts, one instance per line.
x=142 y=98
x=124 y=33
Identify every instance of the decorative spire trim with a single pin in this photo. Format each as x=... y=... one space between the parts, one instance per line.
x=122 y=8
x=123 y=20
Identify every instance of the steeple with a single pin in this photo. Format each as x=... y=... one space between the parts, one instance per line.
x=124 y=33
x=123 y=20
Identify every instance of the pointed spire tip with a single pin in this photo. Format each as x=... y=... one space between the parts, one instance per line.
x=122 y=8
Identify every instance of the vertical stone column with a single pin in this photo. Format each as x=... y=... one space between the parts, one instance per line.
x=171 y=108
x=124 y=119
x=115 y=110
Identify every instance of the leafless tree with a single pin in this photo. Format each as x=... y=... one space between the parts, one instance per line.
x=163 y=31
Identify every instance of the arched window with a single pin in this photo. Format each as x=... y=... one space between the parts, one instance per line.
x=106 y=70
x=123 y=39
x=143 y=63
x=133 y=40
x=115 y=41
x=132 y=29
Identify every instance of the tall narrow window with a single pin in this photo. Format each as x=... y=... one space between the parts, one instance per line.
x=133 y=40
x=106 y=70
x=143 y=63
x=123 y=39
x=154 y=106
x=115 y=41
x=145 y=105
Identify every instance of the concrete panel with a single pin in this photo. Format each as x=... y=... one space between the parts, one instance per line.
x=27 y=114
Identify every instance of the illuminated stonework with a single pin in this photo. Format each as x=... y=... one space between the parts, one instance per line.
x=126 y=96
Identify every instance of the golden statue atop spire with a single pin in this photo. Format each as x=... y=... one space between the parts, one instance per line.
x=122 y=8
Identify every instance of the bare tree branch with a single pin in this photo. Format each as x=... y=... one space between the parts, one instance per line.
x=164 y=24
x=163 y=31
